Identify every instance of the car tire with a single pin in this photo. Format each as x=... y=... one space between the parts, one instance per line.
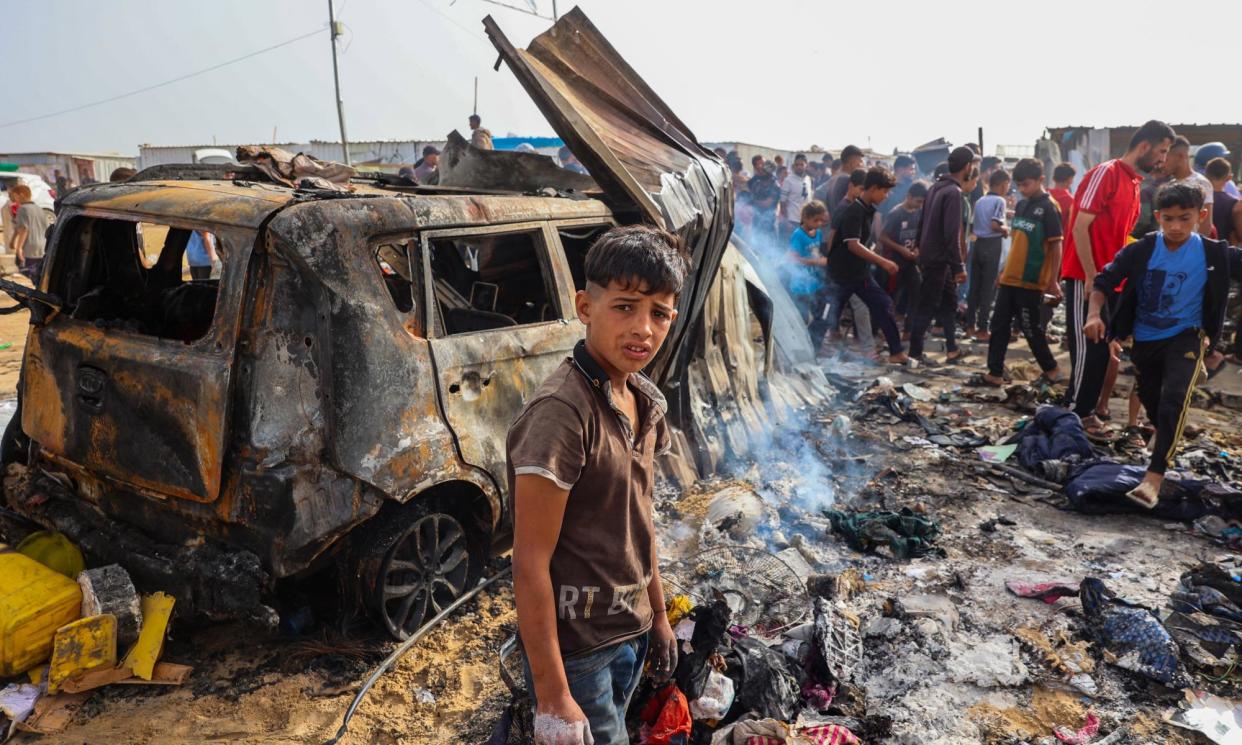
x=414 y=561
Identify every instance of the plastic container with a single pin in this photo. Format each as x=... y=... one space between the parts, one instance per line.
x=34 y=602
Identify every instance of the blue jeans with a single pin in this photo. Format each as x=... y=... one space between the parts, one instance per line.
x=601 y=683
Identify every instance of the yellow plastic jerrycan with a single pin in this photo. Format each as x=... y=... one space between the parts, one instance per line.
x=34 y=602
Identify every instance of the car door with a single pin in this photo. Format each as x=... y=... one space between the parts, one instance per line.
x=639 y=152
x=131 y=378
x=501 y=321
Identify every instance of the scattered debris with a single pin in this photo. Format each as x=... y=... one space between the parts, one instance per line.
x=1218 y=719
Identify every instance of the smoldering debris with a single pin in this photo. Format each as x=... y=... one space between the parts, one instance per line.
x=946 y=653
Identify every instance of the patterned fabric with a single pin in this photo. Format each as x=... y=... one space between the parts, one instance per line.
x=828 y=734
x=1133 y=634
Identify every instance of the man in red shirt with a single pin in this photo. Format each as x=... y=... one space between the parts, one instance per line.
x=1062 y=177
x=1105 y=209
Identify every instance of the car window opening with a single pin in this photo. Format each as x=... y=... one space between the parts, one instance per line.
x=144 y=278
x=576 y=242
x=393 y=260
x=490 y=281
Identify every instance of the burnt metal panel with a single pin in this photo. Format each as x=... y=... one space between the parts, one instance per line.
x=463 y=164
x=636 y=149
x=485 y=377
x=376 y=383
x=218 y=202
x=142 y=410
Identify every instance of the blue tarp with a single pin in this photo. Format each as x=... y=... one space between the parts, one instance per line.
x=539 y=143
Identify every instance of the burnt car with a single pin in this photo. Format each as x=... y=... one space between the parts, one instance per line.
x=339 y=388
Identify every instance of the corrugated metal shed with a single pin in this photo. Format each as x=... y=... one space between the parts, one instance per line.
x=1119 y=138
x=81 y=168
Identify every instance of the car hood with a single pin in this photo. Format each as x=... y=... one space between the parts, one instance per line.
x=647 y=162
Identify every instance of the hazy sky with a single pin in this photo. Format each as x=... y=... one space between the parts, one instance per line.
x=783 y=73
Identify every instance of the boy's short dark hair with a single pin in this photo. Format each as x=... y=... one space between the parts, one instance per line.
x=1185 y=196
x=879 y=177
x=813 y=209
x=1217 y=169
x=851 y=151
x=989 y=161
x=836 y=163
x=755 y=159
x=999 y=178
x=122 y=174
x=941 y=169
x=637 y=255
x=960 y=158
x=1028 y=169
x=1180 y=142
x=800 y=157
x=858 y=177
x=903 y=161
x=918 y=190
x=1063 y=172
x=1154 y=132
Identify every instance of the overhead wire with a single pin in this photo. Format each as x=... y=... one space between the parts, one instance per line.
x=178 y=79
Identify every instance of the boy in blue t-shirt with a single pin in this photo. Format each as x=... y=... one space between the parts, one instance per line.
x=803 y=270
x=1173 y=304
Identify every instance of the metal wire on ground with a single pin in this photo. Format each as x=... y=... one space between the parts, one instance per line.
x=405 y=647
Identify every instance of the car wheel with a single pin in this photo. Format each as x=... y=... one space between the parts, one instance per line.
x=416 y=565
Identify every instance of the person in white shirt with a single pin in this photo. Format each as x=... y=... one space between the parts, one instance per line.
x=795 y=192
x=1177 y=165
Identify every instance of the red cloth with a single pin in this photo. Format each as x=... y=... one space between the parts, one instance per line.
x=1083 y=736
x=830 y=734
x=668 y=714
x=1049 y=592
x=1064 y=200
x=1110 y=191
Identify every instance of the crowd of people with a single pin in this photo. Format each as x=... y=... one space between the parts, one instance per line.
x=1141 y=253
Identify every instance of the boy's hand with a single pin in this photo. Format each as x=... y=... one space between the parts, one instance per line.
x=662 y=652
x=888 y=266
x=1054 y=289
x=560 y=721
x=1093 y=329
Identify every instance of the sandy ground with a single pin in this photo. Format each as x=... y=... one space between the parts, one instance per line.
x=13 y=338
x=973 y=675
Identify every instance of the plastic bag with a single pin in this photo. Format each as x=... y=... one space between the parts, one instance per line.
x=716 y=699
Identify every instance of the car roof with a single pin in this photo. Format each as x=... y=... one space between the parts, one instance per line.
x=249 y=204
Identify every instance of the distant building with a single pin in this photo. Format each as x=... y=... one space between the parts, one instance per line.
x=1085 y=147
x=80 y=168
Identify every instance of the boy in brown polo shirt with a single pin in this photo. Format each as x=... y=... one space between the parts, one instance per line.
x=581 y=468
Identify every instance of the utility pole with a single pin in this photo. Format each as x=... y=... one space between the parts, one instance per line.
x=475 y=110
x=555 y=16
x=335 y=29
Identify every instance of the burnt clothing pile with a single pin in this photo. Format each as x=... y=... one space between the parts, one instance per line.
x=906 y=534
x=1133 y=634
x=1054 y=434
x=1207 y=617
x=1101 y=487
x=732 y=683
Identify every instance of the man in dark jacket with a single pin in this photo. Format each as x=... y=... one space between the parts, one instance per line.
x=1173 y=304
x=940 y=256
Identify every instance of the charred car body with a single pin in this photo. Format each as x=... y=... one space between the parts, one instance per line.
x=342 y=390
